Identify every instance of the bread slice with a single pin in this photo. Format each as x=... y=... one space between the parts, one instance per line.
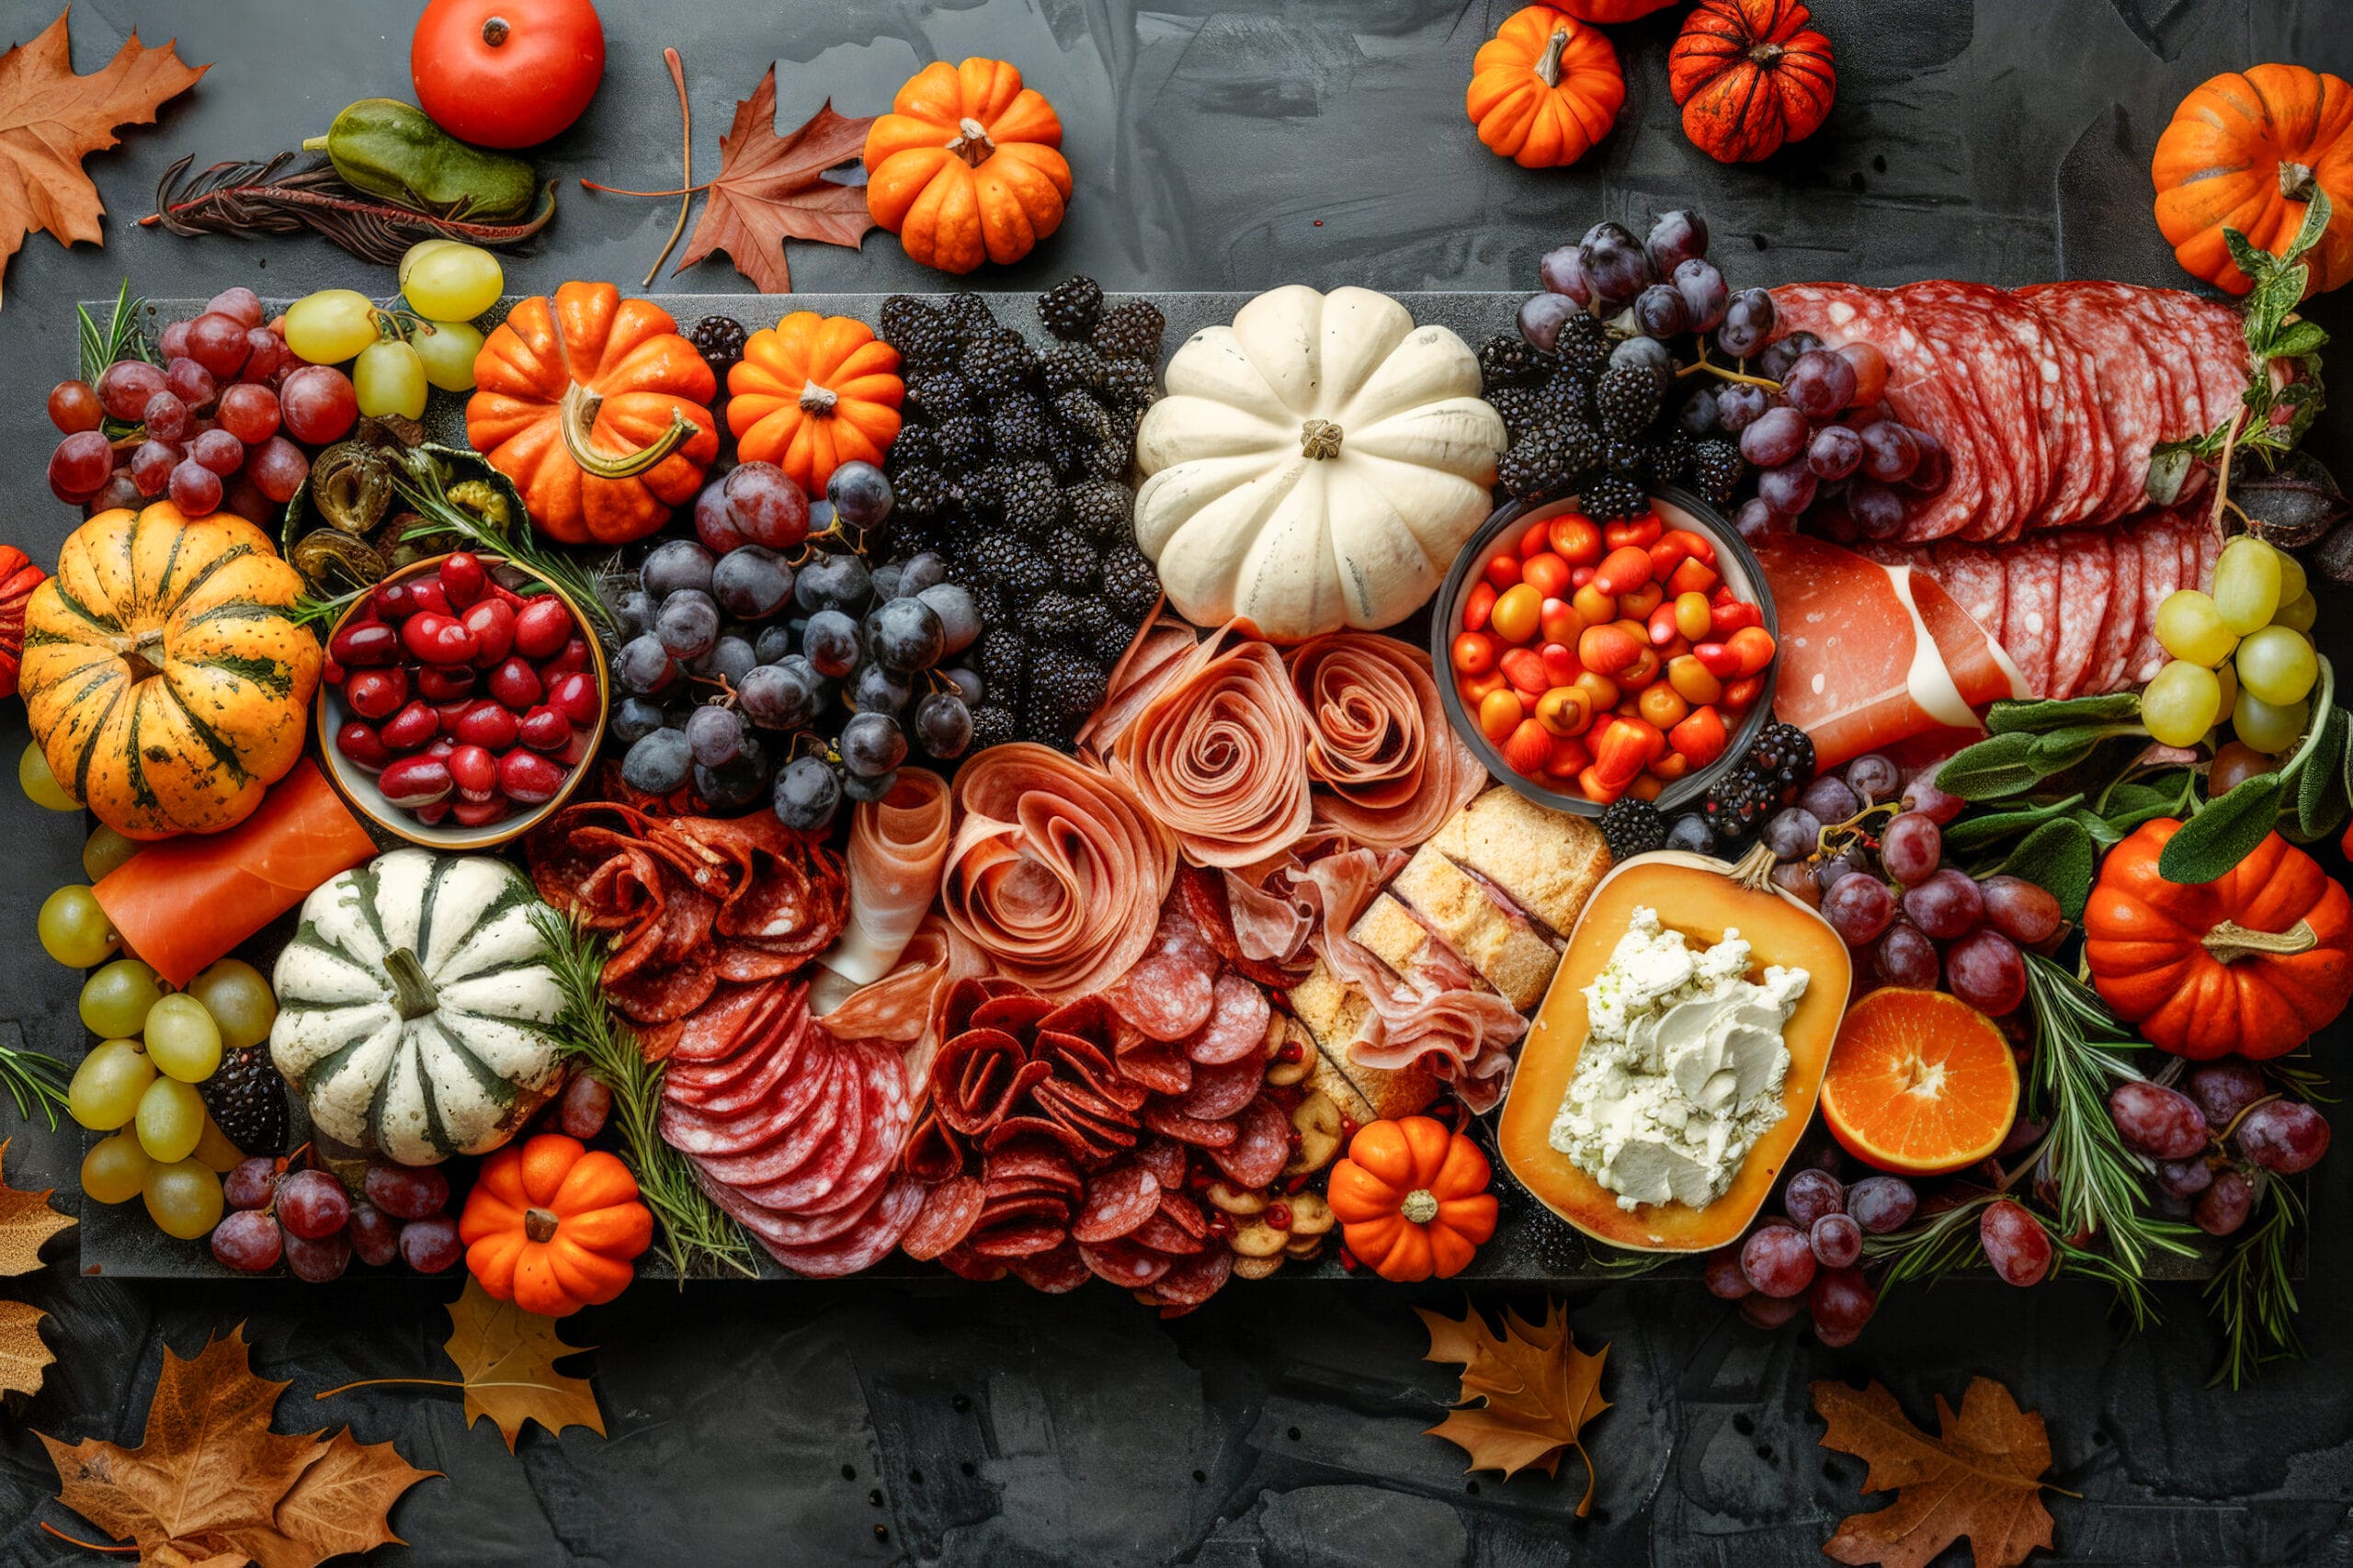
x=1334 y=1012
x=1498 y=943
x=1548 y=862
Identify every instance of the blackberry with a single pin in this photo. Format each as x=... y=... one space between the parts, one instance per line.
x=1716 y=469
x=963 y=443
x=1627 y=398
x=1783 y=757
x=1132 y=331
x=997 y=363
x=1071 y=367
x=992 y=726
x=1633 y=827
x=1083 y=417
x=1582 y=347
x=1000 y=655
x=720 y=340
x=1067 y=454
x=1626 y=460
x=1517 y=404
x=1671 y=459
x=1112 y=638
x=1024 y=494
x=1131 y=587
x=1508 y=360
x=1063 y=691
x=968 y=318
x=940 y=395
x=918 y=490
x=1548 y=458
x=1069 y=307
x=924 y=337
x=1568 y=395
x=1102 y=507
x=1610 y=499
x=1738 y=803
x=913 y=447
x=1013 y=566
x=1073 y=557
x=247 y=1100
x=1056 y=621
x=1128 y=383
x=1018 y=425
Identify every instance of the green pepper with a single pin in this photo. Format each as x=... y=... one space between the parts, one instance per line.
x=391 y=149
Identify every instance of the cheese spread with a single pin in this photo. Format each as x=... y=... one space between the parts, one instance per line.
x=1682 y=1066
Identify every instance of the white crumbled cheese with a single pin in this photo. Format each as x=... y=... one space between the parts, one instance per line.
x=1681 y=1069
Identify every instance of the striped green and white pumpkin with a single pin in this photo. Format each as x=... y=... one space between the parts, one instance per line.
x=413 y=1006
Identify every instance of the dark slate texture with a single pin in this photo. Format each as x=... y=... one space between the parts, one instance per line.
x=1217 y=147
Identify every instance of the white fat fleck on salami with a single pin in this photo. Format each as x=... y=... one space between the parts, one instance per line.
x=1124 y=1264
x=2085 y=580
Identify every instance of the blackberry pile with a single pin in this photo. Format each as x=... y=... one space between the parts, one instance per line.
x=1014 y=465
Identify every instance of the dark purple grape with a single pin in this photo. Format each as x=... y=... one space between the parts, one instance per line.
x=731 y=786
x=860 y=495
x=715 y=735
x=1945 y=905
x=1921 y=795
x=1614 y=265
x=430 y=1245
x=248 y=1241
x=751 y=584
x=1819 y=383
x=1777 y=1261
x=920 y=573
x=873 y=744
x=658 y=764
x=1787 y=490
x=688 y=623
x=375 y=1235
x=960 y=619
x=1904 y=957
x=1739 y=406
x=1841 y=1302
x=1890 y=453
x=1933 y=469
x=1755 y=521
x=2019 y=909
x=1837 y=1241
x=1774 y=361
x=838 y=581
x=644 y=666
x=2184 y=1178
x=1697 y=417
x=1723 y=1274
x=1776 y=436
x=874 y=689
x=1882 y=1203
x=1878 y=511
x=714 y=525
x=2226 y=1088
x=1872 y=778
x=807 y=794
x=831 y=643
x=908 y=636
x=1793 y=833
x=1541 y=318
x=2158 y=1121
x=1660 y=310
x=775 y=697
x=1984 y=968
x=317 y=1263
x=1858 y=907
x=2015 y=1242
x=2285 y=1136
x=1677 y=237
x=1705 y=295
x=731 y=658
x=1747 y=324
x=675 y=565
x=967 y=683
x=1562 y=272
x=1829 y=798
x=1691 y=833
x=1834 y=452
x=2222 y=1208
x=1810 y=1195
x=943 y=724
x=766 y=506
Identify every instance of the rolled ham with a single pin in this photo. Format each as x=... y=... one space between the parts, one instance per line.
x=1056 y=871
x=903 y=1006
x=1390 y=768
x=1158 y=649
x=897 y=846
x=1220 y=753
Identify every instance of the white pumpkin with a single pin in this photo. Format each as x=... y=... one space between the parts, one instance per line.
x=1316 y=465
x=412 y=1005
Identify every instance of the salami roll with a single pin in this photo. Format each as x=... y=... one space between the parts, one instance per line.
x=1390 y=767
x=1221 y=754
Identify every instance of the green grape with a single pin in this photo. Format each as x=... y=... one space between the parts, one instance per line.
x=448 y=352
x=2228 y=676
x=2267 y=727
x=330 y=326
x=116 y=999
x=108 y=1084
x=2179 y=705
x=170 y=1119
x=452 y=281
x=2278 y=665
x=182 y=1038
x=239 y=999
x=389 y=378
x=105 y=851
x=2297 y=614
x=2291 y=577
x=75 y=930
x=2246 y=583
x=2189 y=626
x=183 y=1199
x=215 y=1153
x=418 y=252
x=115 y=1169
x=40 y=786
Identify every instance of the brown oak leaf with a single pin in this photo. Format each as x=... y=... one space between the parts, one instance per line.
x=23 y=1353
x=1980 y=1479
x=771 y=188
x=1540 y=1391
x=209 y=1482
x=508 y=1357
x=50 y=119
x=26 y=1223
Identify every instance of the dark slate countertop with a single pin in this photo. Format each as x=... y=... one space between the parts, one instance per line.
x=1216 y=147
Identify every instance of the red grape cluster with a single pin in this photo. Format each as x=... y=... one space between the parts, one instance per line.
x=1918 y=919
x=2209 y=1144
x=309 y=1221
x=1807 y=1258
x=215 y=426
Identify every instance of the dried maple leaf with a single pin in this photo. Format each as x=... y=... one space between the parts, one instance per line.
x=209 y=1482
x=770 y=188
x=1981 y=1479
x=1540 y=1391
x=50 y=119
x=26 y=1222
x=508 y=1357
x=23 y=1353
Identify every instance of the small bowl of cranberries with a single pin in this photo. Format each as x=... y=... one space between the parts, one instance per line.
x=462 y=702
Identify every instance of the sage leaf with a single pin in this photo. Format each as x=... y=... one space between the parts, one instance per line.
x=2320 y=800
x=2055 y=751
x=2058 y=856
x=2034 y=718
x=2225 y=831
x=2105 y=834
x=2303 y=338
x=2002 y=765
x=1978 y=830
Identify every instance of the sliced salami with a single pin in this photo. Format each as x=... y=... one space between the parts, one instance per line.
x=1236 y=1027
x=964 y=1265
x=1056 y=1271
x=1195 y=1280
x=1261 y=1148
x=1020 y=1160
x=808 y=1230
x=710 y=1033
x=949 y=1213
x=2160 y=551
x=1975 y=580
x=1172 y=1123
x=769 y=1069
x=2085 y=584
x=1124 y=1264
x=2030 y=621
x=790 y=1141
x=1181 y=1210
x=2120 y=629
x=867 y=1243
x=1118 y=1201
x=1163 y=1234
x=871 y=1122
x=1166 y=1160
x=1158 y=1065
x=1168 y=992
x=1976 y=371
x=1027 y=1238
x=1219 y=1091
x=888 y=1122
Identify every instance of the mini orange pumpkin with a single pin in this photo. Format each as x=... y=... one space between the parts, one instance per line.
x=598 y=410
x=2253 y=963
x=2244 y=151
x=1412 y=1197
x=966 y=167
x=1544 y=89
x=554 y=1226
x=812 y=393
x=19 y=578
x=1750 y=75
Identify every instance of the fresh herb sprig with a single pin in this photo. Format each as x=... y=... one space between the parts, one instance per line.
x=1946 y=1243
x=119 y=339
x=698 y=1236
x=2304 y=796
x=2253 y=1297
x=418 y=479
x=36 y=1081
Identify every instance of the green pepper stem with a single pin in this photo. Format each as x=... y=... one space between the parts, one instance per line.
x=314 y=143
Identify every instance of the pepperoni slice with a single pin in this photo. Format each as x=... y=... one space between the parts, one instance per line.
x=1182 y=1212
x=1163 y=1234
x=1024 y=1239
x=1261 y=1147
x=1056 y=1272
x=979 y=1077
x=1006 y=1208
x=1158 y=1065
x=1117 y=1202
x=1192 y=1280
x=715 y=1028
x=1168 y=1163
x=865 y=1246
x=1124 y=1264
x=1050 y=1166
x=949 y=1213
x=1236 y=1027
x=965 y=1265
x=1218 y=1092
x=1169 y=992
x=1170 y=1122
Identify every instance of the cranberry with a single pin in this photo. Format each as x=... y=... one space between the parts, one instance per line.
x=455 y=710
x=434 y=814
x=529 y=778
x=573 y=695
x=394 y=601
x=377 y=693
x=425 y=593
x=365 y=643
x=488 y=725
x=331 y=672
x=542 y=627
x=492 y=625
x=414 y=781
x=444 y=683
x=516 y=684
x=577 y=749
x=474 y=771
x=438 y=639
x=440 y=746
x=410 y=727
x=572 y=655
x=545 y=729
x=482 y=813
x=362 y=745
x=464 y=579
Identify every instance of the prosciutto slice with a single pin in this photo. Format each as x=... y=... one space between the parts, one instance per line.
x=1136 y=679
x=1220 y=753
x=1056 y=871
x=1390 y=768
x=897 y=846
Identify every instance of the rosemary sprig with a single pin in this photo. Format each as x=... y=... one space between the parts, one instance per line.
x=698 y=1236
x=1620 y=1263
x=1946 y=1243
x=36 y=1081
x=2253 y=1296
x=2076 y=1061
x=119 y=339
x=418 y=480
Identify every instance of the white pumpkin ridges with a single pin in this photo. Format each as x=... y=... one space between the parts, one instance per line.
x=1432 y=365
x=1211 y=368
x=341 y=1085
x=1460 y=435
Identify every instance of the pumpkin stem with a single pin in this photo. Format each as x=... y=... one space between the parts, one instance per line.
x=576 y=417
x=815 y=399
x=1319 y=438
x=1765 y=54
x=538 y=1224
x=972 y=142
x=1755 y=871
x=1420 y=1206
x=494 y=32
x=2230 y=941
x=140 y=657
x=413 y=994
x=2296 y=182
x=1548 y=64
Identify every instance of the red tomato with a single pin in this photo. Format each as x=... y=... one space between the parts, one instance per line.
x=507 y=72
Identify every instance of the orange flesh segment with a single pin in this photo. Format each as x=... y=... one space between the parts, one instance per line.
x=1919 y=1082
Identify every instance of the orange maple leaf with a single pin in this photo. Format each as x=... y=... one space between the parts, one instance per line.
x=1982 y=1478
x=771 y=188
x=50 y=119
x=1539 y=1391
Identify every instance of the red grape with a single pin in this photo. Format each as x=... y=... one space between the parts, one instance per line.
x=2226 y=1088
x=1922 y=797
x=1871 y=372
x=2222 y=1208
x=2019 y=909
x=1909 y=848
x=431 y=1247
x=313 y=1205
x=250 y=1184
x=1947 y=906
x=1842 y=1301
x=407 y=1192
x=217 y=342
x=319 y=404
x=72 y=407
x=1819 y=384
x=190 y=382
x=317 y=1262
x=150 y=466
x=247 y=1241
x=585 y=1104
x=1984 y=968
x=1834 y=452
x=239 y=302
x=2184 y=1178
x=1787 y=490
x=373 y=1235
x=1905 y=958
x=173 y=344
x=1858 y=907
x=766 y=505
x=1876 y=511
x=265 y=356
x=1724 y=1279
x=1776 y=436
x=2015 y=1242
x=2158 y=1121
x=1769 y=1313
x=116 y=493
x=278 y=466
x=167 y=418
x=196 y=489
x=82 y=462
x=244 y=498
x=1882 y=1203
x=2286 y=1136
x=1837 y=1241
x=714 y=525
x=1872 y=778
x=1810 y=1195
x=1779 y=1261
x=1890 y=451
x=125 y=387
x=217 y=450
x=249 y=413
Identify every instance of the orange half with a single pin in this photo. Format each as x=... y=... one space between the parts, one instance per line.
x=1920 y=1083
